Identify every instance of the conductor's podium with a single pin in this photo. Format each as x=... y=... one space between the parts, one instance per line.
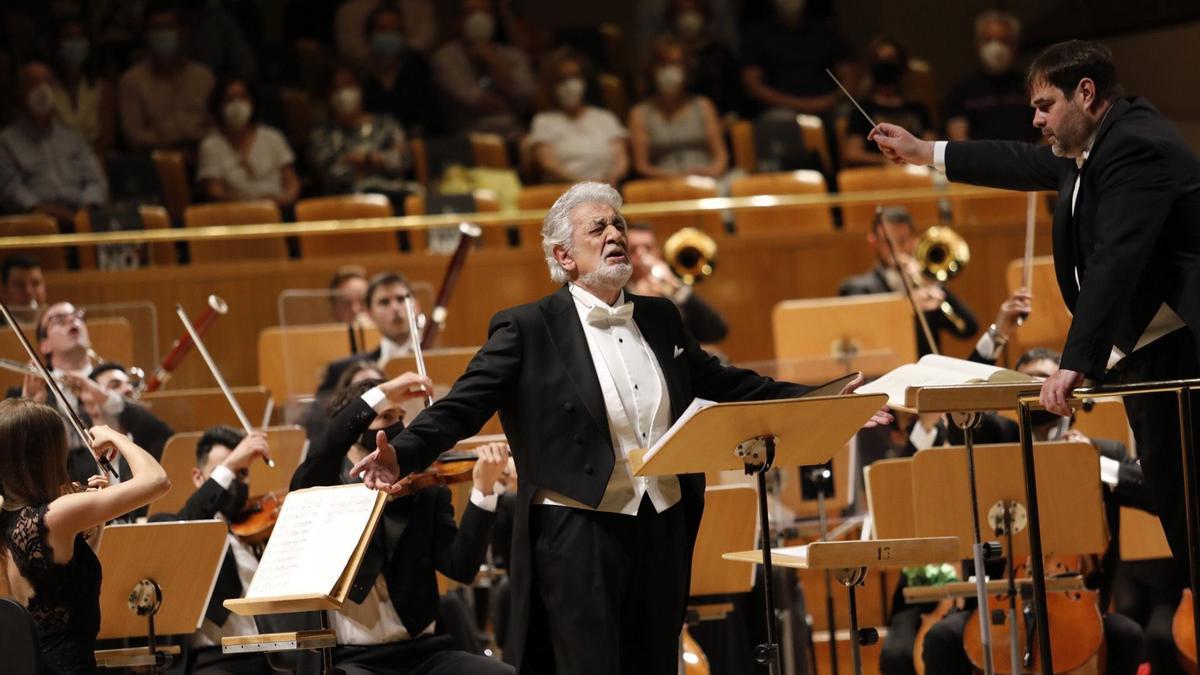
x=850 y=560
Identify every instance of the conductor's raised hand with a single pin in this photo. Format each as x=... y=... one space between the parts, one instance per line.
x=406 y=386
x=380 y=470
x=900 y=146
x=491 y=463
x=882 y=417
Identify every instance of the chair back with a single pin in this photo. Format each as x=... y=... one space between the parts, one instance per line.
x=858 y=217
x=671 y=189
x=537 y=198
x=345 y=207
x=489 y=151
x=787 y=220
x=479 y=201
x=51 y=257
x=173 y=177
x=250 y=212
x=19 y=639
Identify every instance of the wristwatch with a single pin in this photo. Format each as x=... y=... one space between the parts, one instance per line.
x=997 y=339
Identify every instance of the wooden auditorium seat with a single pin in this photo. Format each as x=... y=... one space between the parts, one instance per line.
x=493 y=238
x=858 y=217
x=252 y=212
x=787 y=220
x=813 y=131
x=537 y=198
x=744 y=143
x=50 y=257
x=1006 y=208
x=345 y=207
x=670 y=189
x=153 y=217
x=173 y=178
x=489 y=151
x=741 y=142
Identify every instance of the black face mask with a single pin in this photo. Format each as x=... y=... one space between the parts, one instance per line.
x=367 y=439
x=886 y=72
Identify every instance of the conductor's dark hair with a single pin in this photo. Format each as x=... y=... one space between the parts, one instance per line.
x=1064 y=64
x=218 y=435
x=1037 y=354
x=384 y=279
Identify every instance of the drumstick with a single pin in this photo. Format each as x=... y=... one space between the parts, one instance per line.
x=851 y=97
x=216 y=373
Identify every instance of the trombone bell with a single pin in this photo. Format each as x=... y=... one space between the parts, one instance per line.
x=692 y=254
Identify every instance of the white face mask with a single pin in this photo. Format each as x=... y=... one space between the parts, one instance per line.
x=346 y=100
x=570 y=92
x=996 y=56
x=237 y=113
x=669 y=79
x=40 y=100
x=689 y=23
x=479 y=27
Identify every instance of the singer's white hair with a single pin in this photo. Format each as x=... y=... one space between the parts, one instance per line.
x=556 y=227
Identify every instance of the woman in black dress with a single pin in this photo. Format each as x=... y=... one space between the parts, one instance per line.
x=49 y=526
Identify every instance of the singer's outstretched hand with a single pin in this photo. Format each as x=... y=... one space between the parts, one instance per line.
x=900 y=146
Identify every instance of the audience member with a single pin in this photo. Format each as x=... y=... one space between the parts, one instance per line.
x=715 y=69
x=356 y=151
x=215 y=39
x=350 y=27
x=24 y=285
x=674 y=133
x=163 y=100
x=572 y=140
x=488 y=84
x=397 y=78
x=45 y=166
x=83 y=99
x=242 y=158
x=785 y=60
x=717 y=18
x=653 y=277
x=885 y=102
x=992 y=103
x=348 y=294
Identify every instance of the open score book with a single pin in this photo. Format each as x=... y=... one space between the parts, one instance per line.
x=933 y=370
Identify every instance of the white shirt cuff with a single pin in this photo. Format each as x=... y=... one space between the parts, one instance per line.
x=113 y=405
x=922 y=438
x=939 y=155
x=986 y=346
x=223 y=476
x=487 y=503
x=1110 y=471
x=375 y=398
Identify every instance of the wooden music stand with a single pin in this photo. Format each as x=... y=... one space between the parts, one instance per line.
x=728 y=521
x=752 y=436
x=1142 y=536
x=889 y=487
x=292 y=359
x=199 y=409
x=179 y=458
x=144 y=561
x=824 y=335
x=1049 y=321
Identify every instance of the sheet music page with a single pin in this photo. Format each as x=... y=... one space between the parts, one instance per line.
x=930 y=371
x=696 y=406
x=313 y=540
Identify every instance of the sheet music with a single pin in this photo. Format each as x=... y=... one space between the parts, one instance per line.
x=696 y=406
x=932 y=370
x=313 y=540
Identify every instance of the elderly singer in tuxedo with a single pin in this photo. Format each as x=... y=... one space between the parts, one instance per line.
x=601 y=558
x=1126 y=242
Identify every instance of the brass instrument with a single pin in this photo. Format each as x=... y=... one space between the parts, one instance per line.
x=137 y=376
x=692 y=254
x=942 y=254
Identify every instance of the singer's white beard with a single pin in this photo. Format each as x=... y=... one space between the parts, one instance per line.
x=609 y=277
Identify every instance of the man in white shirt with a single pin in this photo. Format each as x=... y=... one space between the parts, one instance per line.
x=385 y=305
x=1126 y=250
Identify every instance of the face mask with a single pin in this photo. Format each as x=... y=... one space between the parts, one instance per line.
x=789 y=8
x=886 y=72
x=40 y=100
x=237 y=113
x=346 y=100
x=996 y=56
x=479 y=27
x=387 y=45
x=367 y=439
x=73 y=52
x=164 y=43
x=689 y=23
x=570 y=92
x=669 y=79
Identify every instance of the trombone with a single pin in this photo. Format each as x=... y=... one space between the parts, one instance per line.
x=692 y=255
x=942 y=254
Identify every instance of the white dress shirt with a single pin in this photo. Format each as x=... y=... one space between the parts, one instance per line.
x=1165 y=320
x=636 y=403
x=390 y=349
x=210 y=634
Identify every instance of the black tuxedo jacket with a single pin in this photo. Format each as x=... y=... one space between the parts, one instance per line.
x=335 y=369
x=1134 y=237
x=537 y=371
x=416 y=536
x=871 y=283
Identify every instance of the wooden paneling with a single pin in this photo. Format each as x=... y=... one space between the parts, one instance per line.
x=751 y=277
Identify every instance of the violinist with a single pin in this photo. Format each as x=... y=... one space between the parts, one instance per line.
x=882 y=278
x=221 y=476
x=1122 y=476
x=389 y=623
x=385 y=304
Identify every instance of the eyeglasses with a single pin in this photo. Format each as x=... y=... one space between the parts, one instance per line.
x=66 y=318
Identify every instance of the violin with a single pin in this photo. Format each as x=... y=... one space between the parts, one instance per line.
x=450 y=468
x=1183 y=632
x=1076 y=629
x=257 y=520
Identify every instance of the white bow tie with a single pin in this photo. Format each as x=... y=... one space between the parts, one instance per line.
x=603 y=316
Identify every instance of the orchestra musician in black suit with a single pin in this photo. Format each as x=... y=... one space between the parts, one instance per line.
x=600 y=558
x=385 y=305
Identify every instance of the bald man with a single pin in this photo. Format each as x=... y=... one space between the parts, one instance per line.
x=45 y=166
